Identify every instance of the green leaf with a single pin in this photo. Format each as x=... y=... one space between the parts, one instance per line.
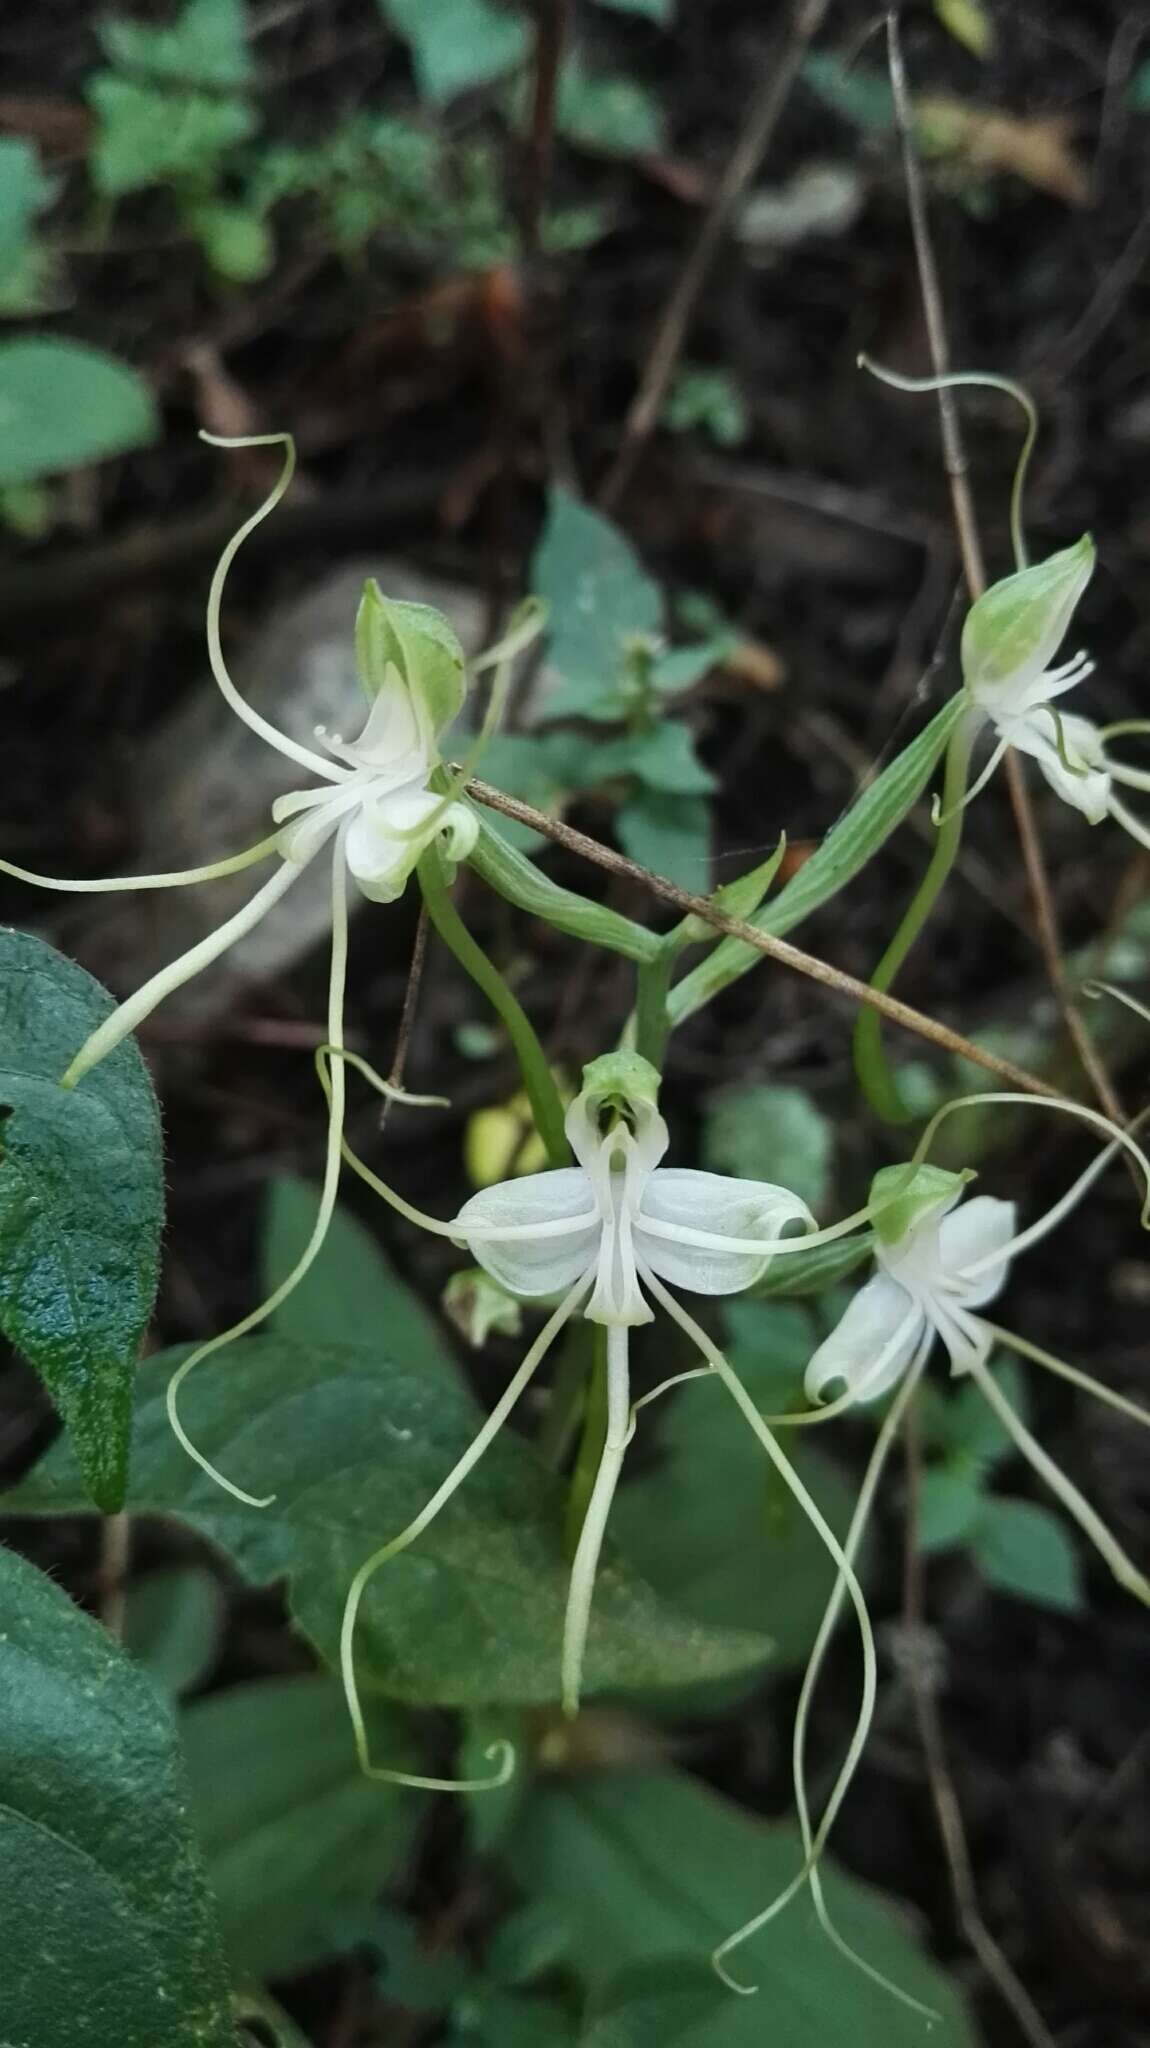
x=663 y=758
x=949 y=1505
x=492 y=2018
x=760 y=1132
x=458 y=45
x=671 y=835
x=805 y=1273
x=673 y=2003
x=24 y=191
x=107 y=1919
x=206 y=45
x=860 y=94
x=1025 y=1549
x=235 y=239
x=848 y=846
x=509 y=872
x=597 y=597
x=962 y=1423
x=522 y=765
x=651 y=1868
x=607 y=113
x=353 y=1444
x=350 y=1289
x=63 y=404
x=148 y=135
x=709 y=401
x=81 y=1204
x=172 y=1625
x=292 y=1831
x=709 y=1523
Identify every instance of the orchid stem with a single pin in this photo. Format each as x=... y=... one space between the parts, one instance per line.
x=875 y=1077
x=538 y=1080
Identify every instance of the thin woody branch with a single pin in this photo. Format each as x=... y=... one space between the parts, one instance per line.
x=762 y=942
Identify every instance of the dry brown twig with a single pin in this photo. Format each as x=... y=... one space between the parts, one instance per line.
x=780 y=950
x=762 y=118
x=974 y=570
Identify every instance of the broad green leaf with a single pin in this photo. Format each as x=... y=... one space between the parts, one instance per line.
x=491 y=2018
x=512 y=875
x=709 y=1522
x=671 y=835
x=352 y=1294
x=672 y=2003
x=109 y=1933
x=521 y=764
x=652 y=1868
x=950 y=1502
x=293 y=1833
x=63 y=404
x=173 y=1621
x=24 y=191
x=458 y=45
x=663 y=758
x=964 y=1425
x=858 y=92
x=205 y=45
x=607 y=113
x=353 y=1443
x=81 y=1203
x=598 y=598
x=149 y=135
x=1025 y=1549
x=761 y=1132
x=847 y=848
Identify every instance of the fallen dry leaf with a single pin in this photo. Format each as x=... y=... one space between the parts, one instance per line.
x=1035 y=147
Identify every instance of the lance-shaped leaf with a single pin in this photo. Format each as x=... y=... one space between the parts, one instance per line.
x=109 y=1935
x=847 y=848
x=81 y=1203
x=353 y=1442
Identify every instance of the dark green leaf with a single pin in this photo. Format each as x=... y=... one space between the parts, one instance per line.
x=148 y=135
x=949 y=1505
x=1025 y=1549
x=172 y=1624
x=292 y=1832
x=81 y=1203
x=663 y=758
x=351 y=1294
x=458 y=45
x=597 y=599
x=352 y=1444
x=63 y=404
x=651 y=1868
x=761 y=1132
x=671 y=835
x=710 y=1524
x=205 y=45
x=108 y=1927
x=607 y=113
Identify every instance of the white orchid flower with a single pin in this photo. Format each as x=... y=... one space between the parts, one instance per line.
x=374 y=808
x=1011 y=635
x=611 y=1236
x=940 y=1259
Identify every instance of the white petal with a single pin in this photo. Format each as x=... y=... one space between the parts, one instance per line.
x=978 y=1230
x=534 y=1264
x=1086 y=785
x=387 y=837
x=392 y=738
x=871 y=1345
x=716 y=1205
x=308 y=817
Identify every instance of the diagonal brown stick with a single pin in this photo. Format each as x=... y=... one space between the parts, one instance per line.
x=762 y=942
x=974 y=571
x=746 y=157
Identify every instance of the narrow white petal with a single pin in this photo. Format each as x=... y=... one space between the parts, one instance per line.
x=872 y=1344
x=980 y=1228
x=537 y=1256
x=387 y=836
x=716 y=1206
x=392 y=737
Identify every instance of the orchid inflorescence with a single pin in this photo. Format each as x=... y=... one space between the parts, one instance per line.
x=617 y=1235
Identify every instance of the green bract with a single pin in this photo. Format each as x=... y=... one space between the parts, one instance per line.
x=1016 y=627
x=416 y=640
x=901 y=1195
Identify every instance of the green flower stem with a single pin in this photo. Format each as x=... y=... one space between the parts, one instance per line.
x=874 y=1074
x=538 y=1080
x=594 y=1435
